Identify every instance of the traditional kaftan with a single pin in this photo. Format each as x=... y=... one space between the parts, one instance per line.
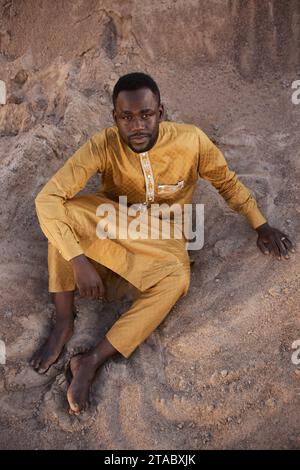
x=167 y=173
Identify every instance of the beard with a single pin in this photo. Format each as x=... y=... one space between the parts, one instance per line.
x=140 y=149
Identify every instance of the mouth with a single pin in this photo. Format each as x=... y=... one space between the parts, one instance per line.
x=139 y=139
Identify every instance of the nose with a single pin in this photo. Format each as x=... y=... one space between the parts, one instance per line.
x=137 y=125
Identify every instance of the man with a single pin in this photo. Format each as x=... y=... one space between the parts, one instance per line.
x=149 y=161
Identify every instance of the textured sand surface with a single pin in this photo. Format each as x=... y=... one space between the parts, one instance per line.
x=218 y=372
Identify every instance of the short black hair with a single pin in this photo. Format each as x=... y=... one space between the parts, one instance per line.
x=135 y=81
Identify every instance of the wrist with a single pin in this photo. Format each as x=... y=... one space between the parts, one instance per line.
x=78 y=260
x=262 y=227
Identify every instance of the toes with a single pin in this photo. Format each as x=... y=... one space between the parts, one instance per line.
x=46 y=362
x=43 y=368
x=77 y=394
x=34 y=358
x=77 y=400
x=74 y=406
x=73 y=413
x=40 y=364
x=31 y=362
x=74 y=409
x=37 y=363
x=37 y=358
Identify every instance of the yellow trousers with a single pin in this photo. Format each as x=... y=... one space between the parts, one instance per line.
x=148 y=310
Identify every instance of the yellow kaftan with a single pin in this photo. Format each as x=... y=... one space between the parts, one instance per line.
x=167 y=173
x=181 y=154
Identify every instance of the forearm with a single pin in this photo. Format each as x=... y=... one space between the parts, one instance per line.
x=56 y=227
x=239 y=198
x=213 y=167
x=63 y=186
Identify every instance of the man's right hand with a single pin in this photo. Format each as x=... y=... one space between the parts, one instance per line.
x=87 y=278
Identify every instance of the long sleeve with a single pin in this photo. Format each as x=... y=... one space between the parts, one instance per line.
x=213 y=167
x=89 y=159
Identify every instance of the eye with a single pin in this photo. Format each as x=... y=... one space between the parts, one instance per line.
x=146 y=116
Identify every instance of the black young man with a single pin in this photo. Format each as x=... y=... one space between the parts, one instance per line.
x=149 y=161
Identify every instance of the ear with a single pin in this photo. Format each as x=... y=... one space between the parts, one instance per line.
x=114 y=116
x=161 y=110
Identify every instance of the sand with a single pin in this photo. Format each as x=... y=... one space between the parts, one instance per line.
x=218 y=373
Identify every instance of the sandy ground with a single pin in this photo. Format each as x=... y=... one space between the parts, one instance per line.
x=218 y=372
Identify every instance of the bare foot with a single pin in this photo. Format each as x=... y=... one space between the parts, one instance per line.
x=83 y=368
x=50 y=351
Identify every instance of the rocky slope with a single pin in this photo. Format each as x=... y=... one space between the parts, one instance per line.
x=218 y=372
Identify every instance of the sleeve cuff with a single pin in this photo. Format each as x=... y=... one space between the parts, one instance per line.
x=71 y=250
x=255 y=218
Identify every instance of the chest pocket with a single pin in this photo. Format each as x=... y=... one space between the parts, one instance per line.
x=164 y=189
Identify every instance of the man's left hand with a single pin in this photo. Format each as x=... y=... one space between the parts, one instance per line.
x=273 y=240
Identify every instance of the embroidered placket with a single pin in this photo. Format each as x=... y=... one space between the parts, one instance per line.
x=148 y=175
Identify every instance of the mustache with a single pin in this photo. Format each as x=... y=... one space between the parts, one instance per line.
x=139 y=135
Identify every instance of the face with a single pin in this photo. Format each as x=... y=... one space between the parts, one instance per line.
x=137 y=116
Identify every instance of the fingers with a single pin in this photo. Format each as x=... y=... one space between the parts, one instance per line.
x=268 y=245
x=97 y=292
x=282 y=248
x=82 y=292
x=89 y=292
x=278 y=243
x=100 y=294
x=85 y=292
x=287 y=242
x=92 y=292
x=101 y=290
x=261 y=245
